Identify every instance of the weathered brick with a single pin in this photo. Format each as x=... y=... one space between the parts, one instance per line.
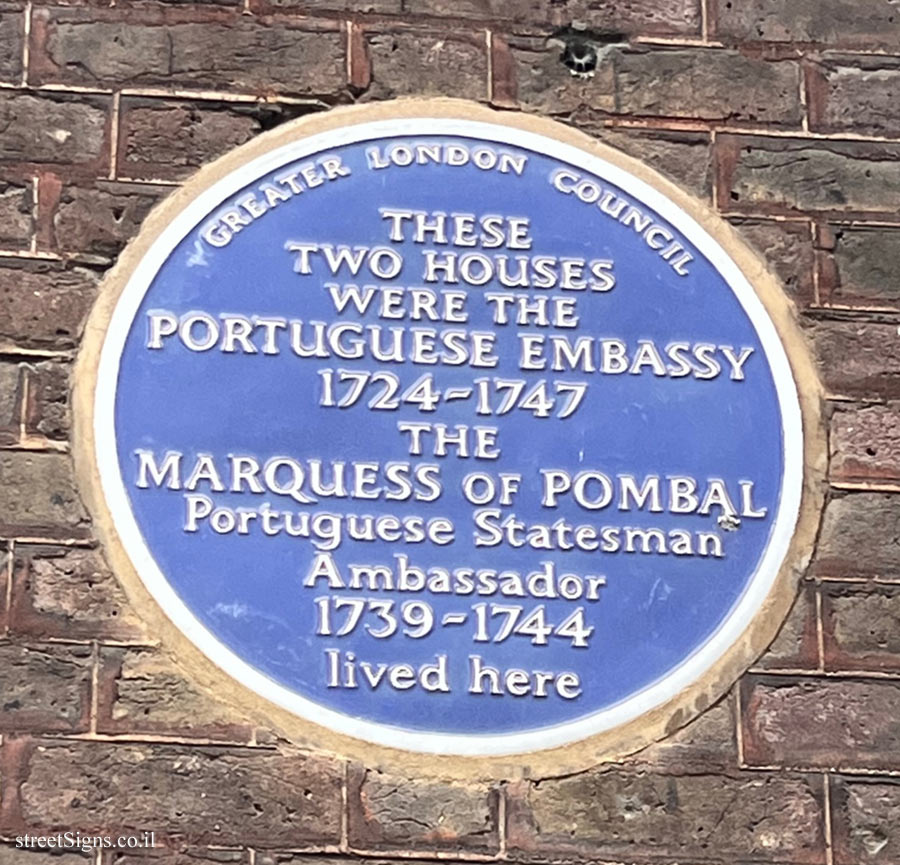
x=708 y=84
x=821 y=722
x=699 y=83
x=212 y=2
x=862 y=267
x=141 y=691
x=168 y=139
x=102 y=219
x=379 y=7
x=788 y=249
x=38 y=497
x=43 y=305
x=709 y=741
x=11 y=389
x=856 y=94
x=53 y=129
x=636 y=815
x=163 y=856
x=33 y=400
x=857 y=359
x=6 y=562
x=389 y=812
x=10 y=854
x=861 y=627
x=860 y=523
x=797 y=645
x=865 y=442
x=200 y=795
x=289 y=858
x=47 y=399
x=682 y=156
x=635 y=17
x=16 y=214
x=866 y=821
x=543 y=83
x=406 y=62
x=92 y=47
x=71 y=594
x=45 y=688
x=12 y=35
x=831 y=22
x=786 y=175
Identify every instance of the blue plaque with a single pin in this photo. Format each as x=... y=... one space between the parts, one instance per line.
x=449 y=433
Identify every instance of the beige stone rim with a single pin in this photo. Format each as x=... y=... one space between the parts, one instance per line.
x=609 y=745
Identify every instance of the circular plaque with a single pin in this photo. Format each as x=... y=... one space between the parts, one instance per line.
x=450 y=431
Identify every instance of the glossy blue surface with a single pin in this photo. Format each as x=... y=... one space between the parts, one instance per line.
x=248 y=590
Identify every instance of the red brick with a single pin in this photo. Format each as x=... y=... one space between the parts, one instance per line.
x=6 y=561
x=708 y=84
x=856 y=94
x=12 y=35
x=425 y=63
x=54 y=128
x=33 y=400
x=16 y=214
x=200 y=795
x=856 y=523
x=787 y=248
x=857 y=359
x=390 y=812
x=861 y=627
x=861 y=267
x=682 y=156
x=45 y=688
x=71 y=594
x=38 y=497
x=636 y=815
x=761 y=176
x=47 y=399
x=797 y=645
x=866 y=821
x=541 y=82
x=865 y=442
x=823 y=723
x=141 y=691
x=389 y=7
x=696 y=83
x=43 y=305
x=829 y=22
x=163 y=856
x=125 y=47
x=10 y=854
x=12 y=376
x=169 y=139
x=101 y=219
x=636 y=17
x=267 y=857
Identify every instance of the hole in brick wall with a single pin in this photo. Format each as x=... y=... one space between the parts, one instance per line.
x=580 y=57
x=583 y=49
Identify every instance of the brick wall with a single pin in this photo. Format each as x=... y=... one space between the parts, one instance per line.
x=784 y=115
